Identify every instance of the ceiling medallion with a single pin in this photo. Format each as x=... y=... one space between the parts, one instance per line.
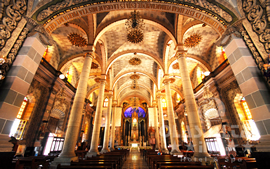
x=193 y=40
x=175 y=66
x=134 y=26
x=135 y=61
x=135 y=77
x=76 y=39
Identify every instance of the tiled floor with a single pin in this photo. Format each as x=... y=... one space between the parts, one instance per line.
x=135 y=161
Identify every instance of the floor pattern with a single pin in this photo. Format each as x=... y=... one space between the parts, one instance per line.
x=135 y=161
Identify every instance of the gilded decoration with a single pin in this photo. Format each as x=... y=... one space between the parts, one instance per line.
x=48 y=11
x=175 y=66
x=257 y=57
x=254 y=11
x=193 y=40
x=12 y=16
x=135 y=27
x=135 y=61
x=77 y=40
x=4 y=67
x=135 y=77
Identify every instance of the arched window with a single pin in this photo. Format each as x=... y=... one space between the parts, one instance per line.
x=23 y=106
x=106 y=102
x=18 y=125
x=69 y=75
x=250 y=128
x=200 y=75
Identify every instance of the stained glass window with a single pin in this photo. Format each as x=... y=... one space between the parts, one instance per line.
x=129 y=111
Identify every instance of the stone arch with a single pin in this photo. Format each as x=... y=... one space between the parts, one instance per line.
x=172 y=87
x=202 y=63
x=55 y=18
x=117 y=56
x=119 y=76
x=113 y=24
x=63 y=62
x=128 y=85
x=134 y=94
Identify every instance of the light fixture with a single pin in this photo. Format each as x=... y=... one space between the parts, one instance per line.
x=62 y=76
x=207 y=73
x=134 y=26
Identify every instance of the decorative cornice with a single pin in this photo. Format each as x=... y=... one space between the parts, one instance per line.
x=55 y=8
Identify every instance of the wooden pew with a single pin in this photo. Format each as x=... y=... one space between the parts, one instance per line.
x=117 y=159
x=249 y=164
x=160 y=164
x=6 y=159
x=92 y=163
x=112 y=162
x=32 y=162
x=189 y=167
x=82 y=167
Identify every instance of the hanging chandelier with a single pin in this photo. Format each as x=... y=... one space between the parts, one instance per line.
x=193 y=40
x=135 y=26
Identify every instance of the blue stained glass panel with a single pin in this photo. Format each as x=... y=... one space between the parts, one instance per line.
x=130 y=110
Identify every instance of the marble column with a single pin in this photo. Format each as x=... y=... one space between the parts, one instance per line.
x=161 y=124
x=200 y=150
x=170 y=112
x=74 y=123
x=105 y=148
x=96 y=130
x=156 y=124
x=113 y=125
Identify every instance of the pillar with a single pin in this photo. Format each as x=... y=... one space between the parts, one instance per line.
x=156 y=125
x=113 y=120
x=96 y=130
x=170 y=112
x=252 y=85
x=68 y=153
x=200 y=150
x=105 y=148
x=161 y=124
x=16 y=85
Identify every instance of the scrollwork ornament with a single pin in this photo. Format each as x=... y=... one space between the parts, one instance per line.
x=255 y=13
x=265 y=37
x=248 y=5
x=259 y=25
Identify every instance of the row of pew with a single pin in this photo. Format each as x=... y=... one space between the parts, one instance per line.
x=164 y=161
x=111 y=160
x=167 y=161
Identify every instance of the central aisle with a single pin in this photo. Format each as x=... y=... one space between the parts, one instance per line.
x=135 y=161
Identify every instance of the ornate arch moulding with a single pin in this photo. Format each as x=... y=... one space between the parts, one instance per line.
x=117 y=56
x=129 y=72
x=54 y=14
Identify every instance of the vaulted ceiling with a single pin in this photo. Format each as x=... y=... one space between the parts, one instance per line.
x=114 y=51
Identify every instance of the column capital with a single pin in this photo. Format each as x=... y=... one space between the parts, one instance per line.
x=180 y=51
x=154 y=103
x=89 y=51
x=168 y=80
x=109 y=93
x=100 y=80
x=90 y=54
x=114 y=103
